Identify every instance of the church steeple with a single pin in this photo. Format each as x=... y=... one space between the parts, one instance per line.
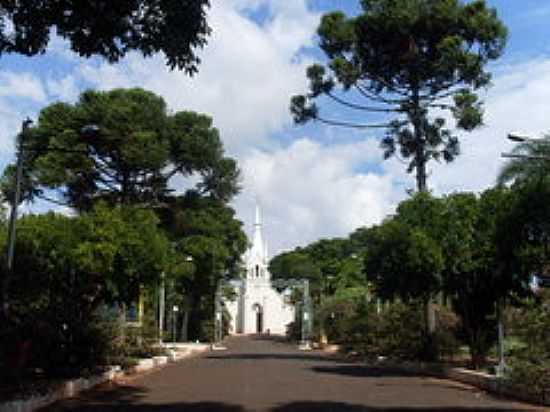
x=257 y=254
x=258 y=247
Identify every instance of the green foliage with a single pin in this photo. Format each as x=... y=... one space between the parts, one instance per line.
x=477 y=274
x=400 y=333
x=206 y=230
x=329 y=265
x=66 y=270
x=341 y=312
x=530 y=362
x=176 y=28
x=395 y=65
x=137 y=148
x=478 y=251
x=405 y=262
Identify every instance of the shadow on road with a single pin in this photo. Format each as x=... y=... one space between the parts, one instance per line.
x=169 y=407
x=363 y=371
x=272 y=338
x=271 y=356
x=346 y=407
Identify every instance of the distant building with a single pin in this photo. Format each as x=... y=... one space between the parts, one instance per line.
x=259 y=308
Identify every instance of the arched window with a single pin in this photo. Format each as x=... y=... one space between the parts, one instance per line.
x=257 y=271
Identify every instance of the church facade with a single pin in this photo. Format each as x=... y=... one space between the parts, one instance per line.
x=258 y=307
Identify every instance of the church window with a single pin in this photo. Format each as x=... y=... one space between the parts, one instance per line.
x=257 y=271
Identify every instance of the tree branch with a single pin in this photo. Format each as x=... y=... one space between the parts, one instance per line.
x=361 y=107
x=352 y=125
x=374 y=97
x=49 y=199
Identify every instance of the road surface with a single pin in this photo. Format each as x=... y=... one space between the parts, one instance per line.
x=259 y=374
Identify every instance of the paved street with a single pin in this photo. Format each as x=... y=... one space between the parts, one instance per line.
x=267 y=375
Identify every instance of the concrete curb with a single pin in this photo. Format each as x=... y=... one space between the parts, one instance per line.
x=74 y=387
x=67 y=389
x=489 y=383
x=481 y=380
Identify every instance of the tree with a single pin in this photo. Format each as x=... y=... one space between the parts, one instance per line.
x=532 y=163
x=66 y=269
x=404 y=262
x=175 y=27
x=296 y=264
x=138 y=147
x=481 y=274
x=405 y=62
x=205 y=229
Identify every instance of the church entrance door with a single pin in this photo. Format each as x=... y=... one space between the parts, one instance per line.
x=259 y=318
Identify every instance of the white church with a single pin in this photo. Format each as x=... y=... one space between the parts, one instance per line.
x=258 y=308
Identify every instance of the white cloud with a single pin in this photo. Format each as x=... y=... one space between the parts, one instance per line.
x=65 y=88
x=309 y=190
x=21 y=85
x=248 y=74
x=518 y=101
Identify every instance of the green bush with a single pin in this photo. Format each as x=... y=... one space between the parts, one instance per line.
x=446 y=340
x=396 y=332
x=532 y=376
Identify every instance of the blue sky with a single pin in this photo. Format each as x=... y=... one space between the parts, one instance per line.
x=312 y=181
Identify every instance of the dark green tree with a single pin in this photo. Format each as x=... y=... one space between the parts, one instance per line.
x=206 y=230
x=66 y=269
x=137 y=147
x=296 y=264
x=404 y=262
x=481 y=272
x=398 y=66
x=176 y=28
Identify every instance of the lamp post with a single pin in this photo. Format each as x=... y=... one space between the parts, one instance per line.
x=524 y=138
x=87 y=131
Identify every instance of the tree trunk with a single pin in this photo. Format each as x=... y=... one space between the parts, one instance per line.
x=421 y=184
x=417 y=118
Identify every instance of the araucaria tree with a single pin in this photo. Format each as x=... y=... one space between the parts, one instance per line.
x=401 y=66
x=136 y=149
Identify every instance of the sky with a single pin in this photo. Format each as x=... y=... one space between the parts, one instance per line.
x=311 y=181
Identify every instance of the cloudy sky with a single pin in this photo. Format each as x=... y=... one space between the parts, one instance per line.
x=311 y=181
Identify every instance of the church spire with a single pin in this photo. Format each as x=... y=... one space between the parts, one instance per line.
x=257 y=242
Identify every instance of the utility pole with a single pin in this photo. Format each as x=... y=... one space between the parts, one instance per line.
x=13 y=217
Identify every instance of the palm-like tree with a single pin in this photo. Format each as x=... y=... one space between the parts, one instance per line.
x=532 y=163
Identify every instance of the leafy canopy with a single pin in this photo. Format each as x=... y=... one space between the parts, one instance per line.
x=108 y=28
x=398 y=65
x=136 y=148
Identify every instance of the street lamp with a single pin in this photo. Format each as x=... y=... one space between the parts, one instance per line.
x=519 y=137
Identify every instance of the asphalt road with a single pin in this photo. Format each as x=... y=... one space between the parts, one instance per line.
x=257 y=374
